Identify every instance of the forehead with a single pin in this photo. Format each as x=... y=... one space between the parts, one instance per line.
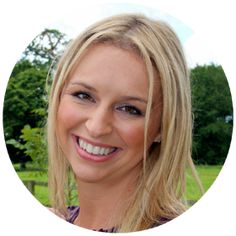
x=111 y=54
x=104 y=63
x=114 y=68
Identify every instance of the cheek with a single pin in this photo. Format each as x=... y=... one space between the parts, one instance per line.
x=67 y=117
x=133 y=135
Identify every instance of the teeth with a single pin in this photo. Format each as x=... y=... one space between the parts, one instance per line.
x=94 y=149
x=101 y=151
x=106 y=152
x=89 y=148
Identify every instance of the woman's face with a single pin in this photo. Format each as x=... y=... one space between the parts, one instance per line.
x=100 y=120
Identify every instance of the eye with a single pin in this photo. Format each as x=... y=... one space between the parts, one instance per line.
x=83 y=96
x=129 y=109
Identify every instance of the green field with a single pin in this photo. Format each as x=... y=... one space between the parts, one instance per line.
x=207 y=175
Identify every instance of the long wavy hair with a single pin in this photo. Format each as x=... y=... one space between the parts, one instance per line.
x=161 y=188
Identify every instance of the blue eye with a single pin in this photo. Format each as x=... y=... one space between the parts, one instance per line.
x=131 y=110
x=83 y=96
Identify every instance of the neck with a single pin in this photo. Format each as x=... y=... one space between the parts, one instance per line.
x=103 y=204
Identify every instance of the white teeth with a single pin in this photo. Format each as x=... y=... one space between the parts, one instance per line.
x=101 y=151
x=89 y=148
x=94 y=149
x=106 y=151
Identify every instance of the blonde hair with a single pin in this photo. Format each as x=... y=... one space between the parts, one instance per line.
x=160 y=191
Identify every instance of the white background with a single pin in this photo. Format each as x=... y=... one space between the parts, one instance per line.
x=214 y=27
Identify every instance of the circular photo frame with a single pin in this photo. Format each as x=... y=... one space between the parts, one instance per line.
x=25 y=108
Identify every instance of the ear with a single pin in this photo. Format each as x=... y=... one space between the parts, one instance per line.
x=157 y=139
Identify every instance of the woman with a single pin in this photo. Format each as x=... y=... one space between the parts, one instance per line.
x=120 y=118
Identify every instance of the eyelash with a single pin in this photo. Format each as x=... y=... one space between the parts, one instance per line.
x=131 y=110
x=126 y=108
x=86 y=96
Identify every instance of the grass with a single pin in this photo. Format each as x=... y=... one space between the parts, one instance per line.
x=41 y=192
x=206 y=173
x=207 y=176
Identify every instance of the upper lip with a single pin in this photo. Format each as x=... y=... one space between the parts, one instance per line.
x=94 y=143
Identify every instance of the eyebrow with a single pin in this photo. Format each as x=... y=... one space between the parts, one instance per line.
x=84 y=85
x=131 y=98
x=127 y=98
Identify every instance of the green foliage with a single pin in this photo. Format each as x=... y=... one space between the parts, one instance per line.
x=20 y=66
x=212 y=108
x=34 y=145
x=24 y=95
x=25 y=98
x=25 y=92
x=46 y=47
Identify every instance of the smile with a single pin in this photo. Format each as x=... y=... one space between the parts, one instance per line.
x=95 y=150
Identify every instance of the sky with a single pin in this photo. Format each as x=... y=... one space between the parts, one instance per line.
x=73 y=22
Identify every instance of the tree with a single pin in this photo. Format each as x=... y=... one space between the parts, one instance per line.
x=24 y=95
x=46 y=47
x=25 y=98
x=212 y=108
x=34 y=145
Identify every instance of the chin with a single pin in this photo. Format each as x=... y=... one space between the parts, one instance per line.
x=87 y=175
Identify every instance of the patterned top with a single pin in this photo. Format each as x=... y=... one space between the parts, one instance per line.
x=74 y=212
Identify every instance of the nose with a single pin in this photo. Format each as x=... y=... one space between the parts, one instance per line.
x=99 y=122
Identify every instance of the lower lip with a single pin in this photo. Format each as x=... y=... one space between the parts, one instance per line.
x=91 y=157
